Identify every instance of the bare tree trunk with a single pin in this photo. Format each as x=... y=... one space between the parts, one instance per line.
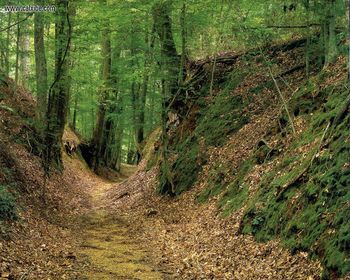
x=142 y=103
x=58 y=95
x=40 y=64
x=135 y=99
x=183 y=42
x=17 y=50
x=140 y=137
x=102 y=128
x=331 y=42
x=308 y=40
x=151 y=105
x=25 y=59
x=75 y=111
x=7 y=52
x=349 y=40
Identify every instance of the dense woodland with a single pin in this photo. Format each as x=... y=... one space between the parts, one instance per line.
x=243 y=103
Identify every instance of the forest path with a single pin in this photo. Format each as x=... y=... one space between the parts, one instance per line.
x=109 y=251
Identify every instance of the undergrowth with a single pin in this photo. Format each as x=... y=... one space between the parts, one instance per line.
x=8 y=186
x=224 y=116
x=8 y=208
x=215 y=124
x=305 y=199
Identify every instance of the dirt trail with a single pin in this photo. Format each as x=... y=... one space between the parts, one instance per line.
x=111 y=253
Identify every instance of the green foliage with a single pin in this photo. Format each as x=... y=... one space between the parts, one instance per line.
x=8 y=208
x=215 y=123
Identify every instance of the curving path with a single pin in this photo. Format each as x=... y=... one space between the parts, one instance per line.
x=106 y=247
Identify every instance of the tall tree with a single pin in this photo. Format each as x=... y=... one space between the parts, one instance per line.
x=329 y=30
x=7 y=51
x=24 y=44
x=104 y=133
x=349 y=41
x=18 y=38
x=58 y=93
x=40 y=64
x=170 y=64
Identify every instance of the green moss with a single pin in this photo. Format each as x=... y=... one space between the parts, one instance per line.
x=210 y=192
x=234 y=198
x=216 y=183
x=8 y=208
x=215 y=123
x=312 y=213
x=261 y=87
x=185 y=168
x=237 y=192
x=224 y=116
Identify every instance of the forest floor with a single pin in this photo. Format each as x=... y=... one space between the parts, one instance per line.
x=188 y=240
x=131 y=233
x=125 y=230
x=105 y=248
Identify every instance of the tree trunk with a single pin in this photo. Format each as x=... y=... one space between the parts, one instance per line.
x=308 y=40
x=40 y=64
x=25 y=40
x=17 y=50
x=58 y=95
x=170 y=68
x=104 y=126
x=142 y=103
x=170 y=59
x=135 y=96
x=349 y=41
x=151 y=107
x=140 y=137
x=331 y=42
x=183 y=43
x=75 y=111
x=7 y=52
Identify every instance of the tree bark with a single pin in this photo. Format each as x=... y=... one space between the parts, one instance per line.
x=75 y=112
x=40 y=64
x=349 y=42
x=58 y=95
x=17 y=50
x=7 y=52
x=170 y=58
x=183 y=43
x=170 y=64
x=99 y=132
x=308 y=39
x=25 y=40
x=331 y=41
x=140 y=137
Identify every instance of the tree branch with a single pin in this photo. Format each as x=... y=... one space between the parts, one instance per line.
x=18 y=22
